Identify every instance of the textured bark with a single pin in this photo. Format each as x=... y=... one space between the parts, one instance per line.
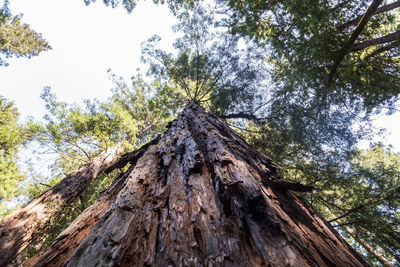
x=59 y=251
x=200 y=196
x=20 y=228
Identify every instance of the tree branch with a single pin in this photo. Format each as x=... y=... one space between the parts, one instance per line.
x=353 y=37
x=384 y=49
x=380 y=10
x=380 y=40
x=241 y=115
x=389 y=196
x=297 y=187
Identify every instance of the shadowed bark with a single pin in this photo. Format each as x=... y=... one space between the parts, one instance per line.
x=201 y=196
x=20 y=228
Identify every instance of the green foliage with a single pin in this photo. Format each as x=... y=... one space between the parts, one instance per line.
x=69 y=211
x=357 y=190
x=221 y=71
x=370 y=201
x=12 y=135
x=17 y=39
x=131 y=117
x=304 y=42
x=129 y=5
x=142 y=108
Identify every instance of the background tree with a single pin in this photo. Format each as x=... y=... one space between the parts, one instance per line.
x=86 y=141
x=17 y=39
x=12 y=135
x=221 y=71
x=326 y=46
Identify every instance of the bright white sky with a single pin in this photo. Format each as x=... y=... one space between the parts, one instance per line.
x=88 y=40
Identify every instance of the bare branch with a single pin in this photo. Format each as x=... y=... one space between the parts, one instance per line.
x=384 y=49
x=380 y=40
x=241 y=115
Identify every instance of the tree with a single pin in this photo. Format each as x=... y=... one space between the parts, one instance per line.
x=87 y=141
x=314 y=47
x=222 y=71
x=12 y=136
x=201 y=195
x=311 y=139
x=17 y=39
x=20 y=228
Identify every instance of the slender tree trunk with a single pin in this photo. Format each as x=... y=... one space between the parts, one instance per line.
x=200 y=196
x=368 y=247
x=23 y=226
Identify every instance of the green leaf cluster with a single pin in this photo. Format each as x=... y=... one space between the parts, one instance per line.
x=304 y=41
x=12 y=136
x=17 y=39
x=221 y=71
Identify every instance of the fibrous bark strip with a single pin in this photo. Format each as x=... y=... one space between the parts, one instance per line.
x=201 y=196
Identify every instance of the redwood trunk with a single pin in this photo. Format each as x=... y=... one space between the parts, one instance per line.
x=200 y=196
x=20 y=228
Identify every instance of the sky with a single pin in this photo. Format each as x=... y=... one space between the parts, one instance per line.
x=89 y=40
x=86 y=41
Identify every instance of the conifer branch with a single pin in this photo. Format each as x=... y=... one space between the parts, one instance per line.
x=353 y=37
x=380 y=10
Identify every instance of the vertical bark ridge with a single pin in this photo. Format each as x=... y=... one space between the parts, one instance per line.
x=200 y=196
x=22 y=227
x=59 y=250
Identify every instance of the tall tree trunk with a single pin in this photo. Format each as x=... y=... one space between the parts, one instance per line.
x=368 y=247
x=20 y=228
x=59 y=251
x=200 y=196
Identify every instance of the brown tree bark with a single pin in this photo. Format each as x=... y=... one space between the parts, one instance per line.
x=201 y=196
x=20 y=228
x=59 y=251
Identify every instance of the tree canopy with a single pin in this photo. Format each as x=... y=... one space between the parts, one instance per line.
x=17 y=39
